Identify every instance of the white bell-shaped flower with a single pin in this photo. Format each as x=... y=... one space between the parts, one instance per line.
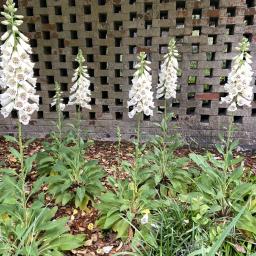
x=239 y=87
x=140 y=95
x=16 y=75
x=169 y=73
x=80 y=91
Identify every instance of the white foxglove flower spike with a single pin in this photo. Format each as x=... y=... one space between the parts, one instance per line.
x=80 y=91
x=57 y=99
x=16 y=75
x=140 y=95
x=239 y=87
x=169 y=73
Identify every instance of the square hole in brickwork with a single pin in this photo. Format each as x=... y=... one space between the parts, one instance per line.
x=223 y=80
x=238 y=119
x=88 y=26
x=62 y=58
x=222 y=111
x=72 y=2
x=118 y=25
x=179 y=39
x=212 y=39
x=38 y=87
x=58 y=10
x=3 y=28
x=92 y=115
x=175 y=103
x=207 y=88
x=231 y=11
x=180 y=5
x=117 y=8
x=226 y=64
x=34 y=57
x=47 y=50
x=164 y=32
x=163 y=14
x=118 y=41
x=132 y=49
x=204 y=118
x=148 y=41
x=44 y=19
x=133 y=32
x=90 y=58
x=59 y=27
x=30 y=11
x=101 y=2
x=33 y=43
x=215 y=4
x=46 y=35
x=180 y=23
x=196 y=31
x=65 y=114
x=14 y=114
x=91 y=87
x=133 y=16
x=64 y=87
x=103 y=34
x=103 y=17
x=250 y=3
x=88 y=42
x=105 y=108
x=103 y=50
x=48 y=65
x=43 y=3
x=146 y=118
x=118 y=102
x=206 y=103
x=117 y=88
x=197 y=14
x=195 y=48
x=72 y=18
x=248 y=20
x=253 y=112
x=104 y=80
x=61 y=43
x=50 y=79
x=210 y=56
x=40 y=115
x=87 y=9
x=148 y=7
x=103 y=65
x=93 y=101
x=192 y=80
x=91 y=72
x=227 y=47
x=148 y=24
x=31 y=27
x=119 y=115
x=191 y=95
x=230 y=29
x=40 y=100
x=213 y=22
x=63 y=72
x=193 y=64
x=208 y=72
x=36 y=72
x=132 y=1
x=118 y=73
x=74 y=50
x=249 y=36
x=191 y=111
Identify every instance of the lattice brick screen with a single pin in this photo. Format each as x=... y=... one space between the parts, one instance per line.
x=110 y=32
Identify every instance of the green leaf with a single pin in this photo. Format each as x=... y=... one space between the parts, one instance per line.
x=15 y=153
x=225 y=233
x=68 y=242
x=121 y=227
x=10 y=139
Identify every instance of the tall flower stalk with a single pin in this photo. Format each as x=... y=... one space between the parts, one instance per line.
x=16 y=76
x=140 y=95
x=60 y=106
x=80 y=91
x=239 y=87
x=168 y=76
x=18 y=83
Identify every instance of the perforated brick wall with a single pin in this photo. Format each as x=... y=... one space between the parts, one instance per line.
x=111 y=32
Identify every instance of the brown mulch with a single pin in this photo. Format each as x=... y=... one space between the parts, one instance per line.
x=84 y=222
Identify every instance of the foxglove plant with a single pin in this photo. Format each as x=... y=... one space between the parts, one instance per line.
x=238 y=87
x=169 y=73
x=140 y=95
x=16 y=75
x=80 y=91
